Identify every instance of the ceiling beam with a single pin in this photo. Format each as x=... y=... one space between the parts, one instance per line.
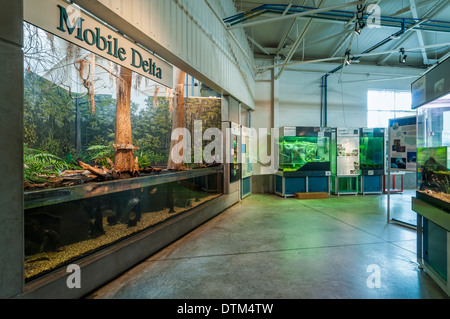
x=259 y=46
x=285 y=36
x=408 y=8
x=418 y=32
x=432 y=46
x=349 y=34
x=386 y=21
x=432 y=12
x=297 y=43
x=287 y=8
x=294 y=15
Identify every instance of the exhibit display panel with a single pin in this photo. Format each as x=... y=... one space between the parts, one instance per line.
x=402 y=144
x=97 y=150
x=432 y=201
x=304 y=160
x=345 y=161
x=373 y=157
x=402 y=158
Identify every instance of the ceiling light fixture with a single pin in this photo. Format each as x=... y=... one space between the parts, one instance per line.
x=359 y=27
x=403 y=56
x=359 y=24
x=348 y=61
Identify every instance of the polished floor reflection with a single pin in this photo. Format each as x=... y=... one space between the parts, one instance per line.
x=271 y=247
x=399 y=212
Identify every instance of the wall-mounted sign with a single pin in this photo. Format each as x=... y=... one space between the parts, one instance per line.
x=72 y=24
x=432 y=85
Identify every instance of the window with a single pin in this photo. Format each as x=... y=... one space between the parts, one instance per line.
x=383 y=105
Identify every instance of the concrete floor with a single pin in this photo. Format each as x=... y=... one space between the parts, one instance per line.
x=271 y=247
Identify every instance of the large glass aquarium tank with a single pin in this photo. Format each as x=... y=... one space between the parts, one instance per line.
x=304 y=149
x=97 y=168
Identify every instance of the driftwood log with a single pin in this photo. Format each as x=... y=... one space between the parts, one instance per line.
x=88 y=174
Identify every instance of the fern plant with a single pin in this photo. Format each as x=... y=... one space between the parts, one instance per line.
x=100 y=153
x=38 y=165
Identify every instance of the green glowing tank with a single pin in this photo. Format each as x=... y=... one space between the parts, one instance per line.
x=304 y=149
x=372 y=149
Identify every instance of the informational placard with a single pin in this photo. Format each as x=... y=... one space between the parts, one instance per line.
x=347 y=152
x=403 y=144
x=289 y=131
x=70 y=23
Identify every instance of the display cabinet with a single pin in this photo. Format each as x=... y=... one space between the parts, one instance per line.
x=304 y=161
x=372 y=159
x=431 y=97
x=345 y=161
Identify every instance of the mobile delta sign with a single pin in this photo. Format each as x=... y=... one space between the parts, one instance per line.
x=70 y=23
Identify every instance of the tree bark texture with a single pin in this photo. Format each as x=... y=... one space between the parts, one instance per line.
x=124 y=159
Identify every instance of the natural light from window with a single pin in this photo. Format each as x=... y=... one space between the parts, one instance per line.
x=383 y=105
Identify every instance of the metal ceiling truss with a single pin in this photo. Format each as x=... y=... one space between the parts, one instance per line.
x=432 y=12
x=296 y=44
x=241 y=20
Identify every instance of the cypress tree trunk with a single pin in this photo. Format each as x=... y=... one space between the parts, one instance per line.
x=124 y=160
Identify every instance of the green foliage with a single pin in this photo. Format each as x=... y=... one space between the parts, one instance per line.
x=152 y=127
x=99 y=154
x=147 y=159
x=50 y=130
x=38 y=165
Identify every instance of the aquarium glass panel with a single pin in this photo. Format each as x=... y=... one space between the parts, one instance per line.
x=372 y=149
x=433 y=156
x=300 y=153
x=59 y=231
x=372 y=153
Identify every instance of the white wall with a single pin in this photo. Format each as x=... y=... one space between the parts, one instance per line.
x=299 y=93
x=263 y=117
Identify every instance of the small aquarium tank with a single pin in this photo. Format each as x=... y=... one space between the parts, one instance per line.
x=433 y=152
x=308 y=150
x=372 y=149
x=433 y=174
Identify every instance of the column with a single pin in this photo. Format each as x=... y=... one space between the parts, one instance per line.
x=11 y=146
